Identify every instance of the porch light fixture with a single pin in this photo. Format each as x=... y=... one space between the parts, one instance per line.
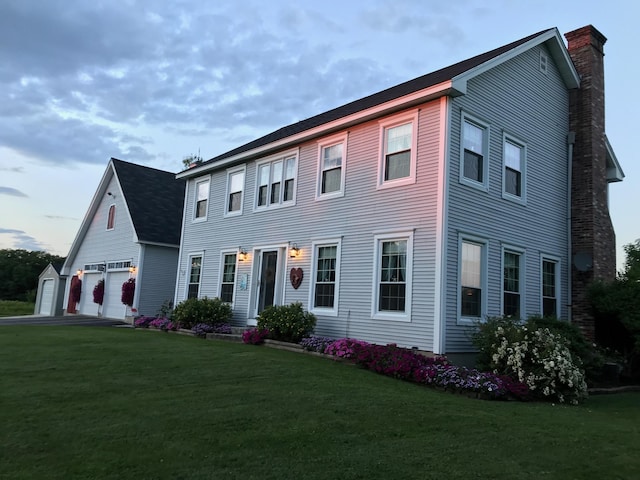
x=79 y=272
x=132 y=269
x=294 y=251
x=242 y=254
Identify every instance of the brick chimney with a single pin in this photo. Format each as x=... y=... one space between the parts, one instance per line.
x=592 y=235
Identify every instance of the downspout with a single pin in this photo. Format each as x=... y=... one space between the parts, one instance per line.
x=571 y=140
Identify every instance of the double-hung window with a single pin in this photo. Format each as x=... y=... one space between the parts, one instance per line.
x=514 y=169
x=276 y=181
x=331 y=167
x=235 y=189
x=393 y=276
x=398 y=151
x=111 y=217
x=201 y=200
x=550 y=276
x=228 y=276
x=195 y=271
x=512 y=281
x=473 y=266
x=326 y=277
x=474 y=155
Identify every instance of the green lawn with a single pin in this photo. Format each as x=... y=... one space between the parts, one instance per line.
x=81 y=403
x=12 y=308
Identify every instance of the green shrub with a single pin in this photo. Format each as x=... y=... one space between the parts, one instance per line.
x=210 y=311
x=288 y=323
x=531 y=353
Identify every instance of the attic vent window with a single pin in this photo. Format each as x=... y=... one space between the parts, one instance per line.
x=544 y=60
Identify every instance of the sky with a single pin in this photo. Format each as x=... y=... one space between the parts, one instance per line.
x=152 y=82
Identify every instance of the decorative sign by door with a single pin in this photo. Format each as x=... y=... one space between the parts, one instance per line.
x=296 y=277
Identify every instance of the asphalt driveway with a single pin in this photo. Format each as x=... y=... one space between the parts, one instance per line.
x=79 y=320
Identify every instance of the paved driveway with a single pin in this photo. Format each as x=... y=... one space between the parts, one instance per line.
x=80 y=320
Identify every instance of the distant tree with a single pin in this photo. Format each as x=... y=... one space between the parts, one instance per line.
x=192 y=160
x=631 y=270
x=19 y=271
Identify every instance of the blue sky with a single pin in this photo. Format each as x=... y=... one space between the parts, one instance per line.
x=152 y=82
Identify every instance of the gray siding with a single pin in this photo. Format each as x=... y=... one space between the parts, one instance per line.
x=156 y=278
x=518 y=99
x=356 y=218
x=102 y=245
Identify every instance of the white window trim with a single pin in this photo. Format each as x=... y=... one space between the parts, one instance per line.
x=322 y=144
x=230 y=172
x=521 y=279
x=197 y=182
x=410 y=117
x=484 y=243
x=115 y=212
x=329 y=242
x=484 y=185
x=120 y=269
x=188 y=273
x=378 y=239
x=522 y=199
x=270 y=159
x=556 y=260
x=230 y=251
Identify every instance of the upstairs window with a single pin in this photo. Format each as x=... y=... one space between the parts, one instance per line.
x=235 y=189
x=474 y=158
x=201 y=200
x=276 y=182
x=332 y=155
x=398 y=162
x=111 y=218
x=514 y=169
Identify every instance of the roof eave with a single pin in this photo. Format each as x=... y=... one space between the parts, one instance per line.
x=614 y=170
x=386 y=108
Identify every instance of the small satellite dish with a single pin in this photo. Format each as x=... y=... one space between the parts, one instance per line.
x=583 y=261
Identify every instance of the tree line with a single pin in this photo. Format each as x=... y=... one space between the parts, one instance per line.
x=19 y=272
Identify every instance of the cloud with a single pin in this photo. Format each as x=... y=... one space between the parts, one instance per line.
x=12 y=169
x=59 y=217
x=22 y=240
x=12 y=192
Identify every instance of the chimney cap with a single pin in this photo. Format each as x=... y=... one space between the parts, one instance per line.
x=587 y=35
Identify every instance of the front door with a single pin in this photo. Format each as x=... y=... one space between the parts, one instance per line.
x=267 y=284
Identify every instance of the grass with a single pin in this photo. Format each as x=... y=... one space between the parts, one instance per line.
x=108 y=403
x=12 y=308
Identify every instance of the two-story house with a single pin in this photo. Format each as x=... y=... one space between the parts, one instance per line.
x=405 y=216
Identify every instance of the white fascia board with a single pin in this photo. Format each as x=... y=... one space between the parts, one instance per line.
x=614 y=170
x=391 y=106
x=556 y=47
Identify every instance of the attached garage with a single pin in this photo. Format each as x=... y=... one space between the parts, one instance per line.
x=112 y=306
x=89 y=281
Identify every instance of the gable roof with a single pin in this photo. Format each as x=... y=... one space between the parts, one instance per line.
x=154 y=199
x=450 y=80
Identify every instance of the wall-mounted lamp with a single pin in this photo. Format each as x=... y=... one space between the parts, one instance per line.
x=79 y=272
x=132 y=269
x=294 y=251
x=242 y=254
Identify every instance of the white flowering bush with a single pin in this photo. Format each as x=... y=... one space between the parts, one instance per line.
x=541 y=360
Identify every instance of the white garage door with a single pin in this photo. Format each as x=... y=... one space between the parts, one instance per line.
x=46 y=297
x=89 y=281
x=112 y=306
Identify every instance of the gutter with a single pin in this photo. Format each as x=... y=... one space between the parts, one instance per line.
x=571 y=140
